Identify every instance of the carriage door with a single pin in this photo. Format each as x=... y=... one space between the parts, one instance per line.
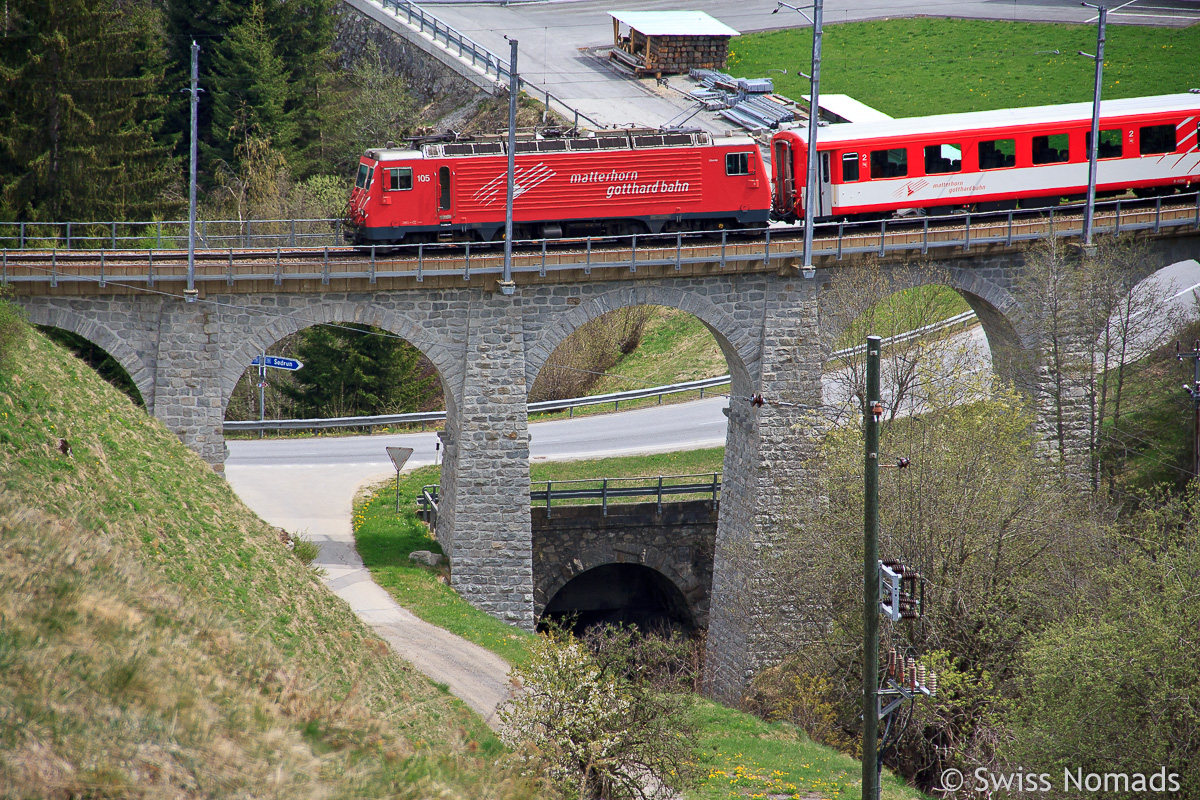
x=825 y=204
x=444 y=194
x=785 y=182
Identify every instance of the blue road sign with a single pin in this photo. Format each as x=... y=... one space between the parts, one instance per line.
x=278 y=362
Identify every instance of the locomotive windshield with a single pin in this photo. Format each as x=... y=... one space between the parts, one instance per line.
x=364 y=176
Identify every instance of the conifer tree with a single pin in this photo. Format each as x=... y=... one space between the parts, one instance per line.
x=249 y=93
x=80 y=104
x=304 y=34
x=204 y=22
x=351 y=370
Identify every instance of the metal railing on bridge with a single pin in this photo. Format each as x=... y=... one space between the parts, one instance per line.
x=626 y=253
x=480 y=56
x=603 y=490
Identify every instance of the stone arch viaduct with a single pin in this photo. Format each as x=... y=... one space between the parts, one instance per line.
x=771 y=322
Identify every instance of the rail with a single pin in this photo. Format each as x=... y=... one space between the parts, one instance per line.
x=834 y=240
x=604 y=490
x=480 y=56
x=381 y=420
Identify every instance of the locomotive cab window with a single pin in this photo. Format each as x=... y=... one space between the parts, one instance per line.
x=889 y=163
x=364 y=176
x=737 y=163
x=398 y=179
x=849 y=167
x=1156 y=139
x=997 y=154
x=941 y=158
x=1109 y=146
x=1051 y=149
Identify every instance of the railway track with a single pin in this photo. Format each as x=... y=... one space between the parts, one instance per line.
x=769 y=248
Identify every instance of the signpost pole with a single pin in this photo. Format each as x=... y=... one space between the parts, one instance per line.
x=398 y=455
x=262 y=390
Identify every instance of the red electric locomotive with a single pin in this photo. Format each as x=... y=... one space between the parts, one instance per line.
x=608 y=184
x=990 y=160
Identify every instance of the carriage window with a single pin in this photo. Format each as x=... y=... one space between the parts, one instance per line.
x=889 y=163
x=737 y=163
x=397 y=180
x=1110 y=144
x=941 y=158
x=364 y=176
x=849 y=167
x=1157 y=139
x=1050 y=149
x=997 y=154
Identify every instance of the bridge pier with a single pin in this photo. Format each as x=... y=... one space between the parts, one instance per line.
x=186 y=393
x=770 y=485
x=483 y=520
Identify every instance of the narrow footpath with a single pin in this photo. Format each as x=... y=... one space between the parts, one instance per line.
x=316 y=502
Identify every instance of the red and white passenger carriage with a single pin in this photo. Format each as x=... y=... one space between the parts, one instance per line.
x=1030 y=157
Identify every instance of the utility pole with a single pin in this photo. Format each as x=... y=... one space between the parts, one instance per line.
x=189 y=293
x=872 y=411
x=814 y=111
x=514 y=87
x=1194 y=391
x=1089 y=212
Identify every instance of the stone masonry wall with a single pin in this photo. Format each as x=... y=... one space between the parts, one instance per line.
x=678 y=543
x=489 y=543
x=772 y=474
x=428 y=77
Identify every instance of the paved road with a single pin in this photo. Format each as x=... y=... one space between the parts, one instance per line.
x=658 y=429
x=558 y=39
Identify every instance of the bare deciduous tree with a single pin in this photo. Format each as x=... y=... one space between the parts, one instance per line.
x=923 y=366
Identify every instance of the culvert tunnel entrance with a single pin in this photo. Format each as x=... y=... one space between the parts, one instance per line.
x=620 y=594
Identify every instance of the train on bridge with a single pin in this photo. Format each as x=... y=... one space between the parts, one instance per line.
x=629 y=182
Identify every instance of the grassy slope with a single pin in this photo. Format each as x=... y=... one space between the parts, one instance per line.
x=740 y=755
x=913 y=67
x=157 y=639
x=675 y=347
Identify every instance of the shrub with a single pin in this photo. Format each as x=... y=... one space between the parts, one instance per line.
x=594 y=726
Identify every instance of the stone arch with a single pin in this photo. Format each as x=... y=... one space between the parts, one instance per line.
x=365 y=312
x=546 y=586
x=68 y=319
x=738 y=343
x=1000 y=313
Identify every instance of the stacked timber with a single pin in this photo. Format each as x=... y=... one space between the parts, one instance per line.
x=662 y=55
